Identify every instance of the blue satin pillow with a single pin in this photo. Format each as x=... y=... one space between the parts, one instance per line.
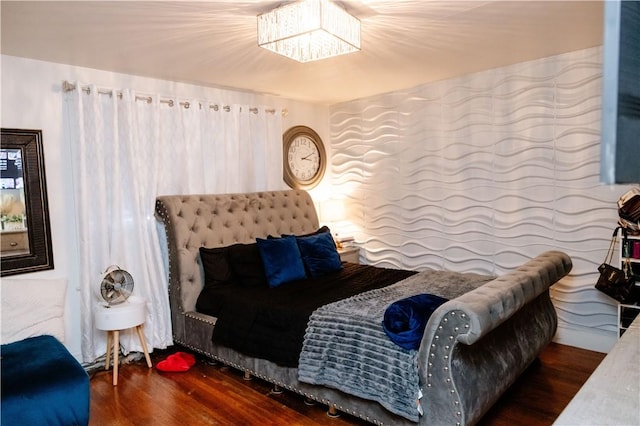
x=319 y=254
x=281 y=259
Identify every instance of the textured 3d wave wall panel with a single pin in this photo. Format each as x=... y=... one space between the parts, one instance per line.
x=481 y=173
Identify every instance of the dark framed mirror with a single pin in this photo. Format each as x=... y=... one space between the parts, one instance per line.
x=25 y=230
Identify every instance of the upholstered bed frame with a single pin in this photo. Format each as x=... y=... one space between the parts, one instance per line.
x=474 y=346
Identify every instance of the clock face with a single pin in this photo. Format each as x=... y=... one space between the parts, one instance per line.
x=303 y=158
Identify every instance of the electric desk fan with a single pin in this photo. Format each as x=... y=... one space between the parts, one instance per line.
x=116 y=286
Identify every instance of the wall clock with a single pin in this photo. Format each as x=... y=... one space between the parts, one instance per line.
x=305 y=159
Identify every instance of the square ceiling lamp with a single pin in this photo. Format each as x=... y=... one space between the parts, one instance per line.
x=309 y=30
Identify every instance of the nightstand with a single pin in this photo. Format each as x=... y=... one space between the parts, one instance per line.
x=114 y=318
x=349 y=254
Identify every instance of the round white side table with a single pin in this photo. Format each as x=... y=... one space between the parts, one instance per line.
x=114 y=318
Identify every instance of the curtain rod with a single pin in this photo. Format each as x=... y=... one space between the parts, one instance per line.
x=68 y=87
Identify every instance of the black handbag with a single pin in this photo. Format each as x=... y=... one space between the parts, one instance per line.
x=615 y=282
x=629 y=211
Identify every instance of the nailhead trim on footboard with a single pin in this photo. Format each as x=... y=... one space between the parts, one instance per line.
x=439 y=356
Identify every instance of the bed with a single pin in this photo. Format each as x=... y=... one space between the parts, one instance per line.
x=474 y=345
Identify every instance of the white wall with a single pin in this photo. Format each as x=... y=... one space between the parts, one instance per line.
x=32 y=98
x=482 y=172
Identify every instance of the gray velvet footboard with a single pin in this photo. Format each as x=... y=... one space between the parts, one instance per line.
x=474 y=346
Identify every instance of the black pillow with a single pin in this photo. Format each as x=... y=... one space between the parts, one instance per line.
x=237 y=263
x=217 y=273
x=246 y=264
x=215 y=262
x=320 y=230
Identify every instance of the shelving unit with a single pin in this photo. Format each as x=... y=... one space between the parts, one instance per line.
x=626 y=315
x=629 y=248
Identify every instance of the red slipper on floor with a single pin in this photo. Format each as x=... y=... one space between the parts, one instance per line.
x=187 y=357
x=173 y=364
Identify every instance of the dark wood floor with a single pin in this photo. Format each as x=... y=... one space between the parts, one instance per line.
x=218 y=395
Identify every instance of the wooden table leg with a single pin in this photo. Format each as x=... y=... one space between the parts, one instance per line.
x=109 y=343
x=116 y=352
x=144 y=345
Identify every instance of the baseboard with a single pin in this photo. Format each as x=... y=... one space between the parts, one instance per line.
x=585 y=338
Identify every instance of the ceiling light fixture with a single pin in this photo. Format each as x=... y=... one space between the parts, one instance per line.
x=309 y=30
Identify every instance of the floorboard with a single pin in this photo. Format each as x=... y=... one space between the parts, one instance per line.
x=218 y=395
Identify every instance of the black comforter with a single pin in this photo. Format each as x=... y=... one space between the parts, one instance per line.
x=270 y=323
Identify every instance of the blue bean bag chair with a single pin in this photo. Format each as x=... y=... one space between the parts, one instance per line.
x=42 y=384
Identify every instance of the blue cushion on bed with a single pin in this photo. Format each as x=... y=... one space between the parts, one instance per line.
x=281 y=259
x=43 y=384
x=405 y=320
x=319 y=254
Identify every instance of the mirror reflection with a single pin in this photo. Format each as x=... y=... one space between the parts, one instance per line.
x=14 y=238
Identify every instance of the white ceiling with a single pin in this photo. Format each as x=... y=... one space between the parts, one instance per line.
x=404 y=43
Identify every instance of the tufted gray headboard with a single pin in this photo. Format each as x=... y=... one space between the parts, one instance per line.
x=217 y=220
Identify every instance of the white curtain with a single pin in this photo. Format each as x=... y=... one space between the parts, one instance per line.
x=126 y=151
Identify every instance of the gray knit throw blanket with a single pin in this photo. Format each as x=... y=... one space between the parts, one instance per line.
x=346 y=348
